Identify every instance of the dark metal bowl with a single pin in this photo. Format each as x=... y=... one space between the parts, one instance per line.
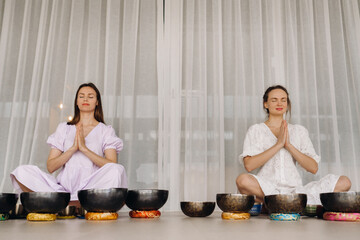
x=7 y=202
x=68 y=211
x=18 y=212
x=81 y=212
x=197 y=209
x=102 y=200
x=44 y=202
x=146 y=199
x=228 y=202
x=286 y=203
x=341 y=201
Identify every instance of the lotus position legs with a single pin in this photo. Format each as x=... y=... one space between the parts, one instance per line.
x=247 y=184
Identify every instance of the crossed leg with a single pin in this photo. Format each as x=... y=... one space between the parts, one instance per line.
x=247 y=184
x=343 y=184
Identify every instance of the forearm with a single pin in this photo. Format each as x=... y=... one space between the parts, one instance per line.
x=96 y=159
x=54 y=163
x=308 y=163
x=254 y=162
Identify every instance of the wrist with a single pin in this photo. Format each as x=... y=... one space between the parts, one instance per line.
x=288 y=146
x=72 y=150
x=278 y=146
x=84 y=149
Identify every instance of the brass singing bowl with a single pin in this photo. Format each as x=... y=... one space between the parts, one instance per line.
x=286 y=203
x=146 y=199
x=7 y=202
x=197 y=209
x=341 y=201
x=240 y=203
x=44 y=202
x=68 y=211
x=18 y=212
x=102 y=200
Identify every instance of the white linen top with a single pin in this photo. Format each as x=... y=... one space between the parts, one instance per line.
x=281 y=169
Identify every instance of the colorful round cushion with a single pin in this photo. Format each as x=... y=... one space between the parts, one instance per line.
x=4 y=216
x=337 y=216
x=145 y=214
x=285 y=216
x=235 y=216
x=101 y=216
x=256 y=209
x=41 y=217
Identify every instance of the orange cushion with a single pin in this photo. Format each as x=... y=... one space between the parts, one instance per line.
x=235 y=216
x=101 y=216
x=145 y=214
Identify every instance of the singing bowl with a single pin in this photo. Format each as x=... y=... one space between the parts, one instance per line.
x=310 y=210
x=18 y=212
x=286 y=203
x=197 y=209
x=68 y=211
x=348 y=202
x=102 y=200
x=81 y=212
x=7 y=202
x=240 y=203
x=146 y=199
x=44 y=202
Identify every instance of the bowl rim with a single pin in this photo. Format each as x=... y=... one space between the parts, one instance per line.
x=150 y=189
x=235 y=195
x=208 y=202
x=44 y=193
x=100 y=189
x=286 y=194
x=9 y=194
x=351 y=193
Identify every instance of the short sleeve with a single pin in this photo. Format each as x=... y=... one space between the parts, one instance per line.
x=57 y=139
x=111 y=140
x=306 y=146
x=251 y=144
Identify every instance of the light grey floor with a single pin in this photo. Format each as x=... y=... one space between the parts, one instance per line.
x=175 y=225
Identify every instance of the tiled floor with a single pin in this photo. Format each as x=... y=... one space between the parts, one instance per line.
x=175 y=225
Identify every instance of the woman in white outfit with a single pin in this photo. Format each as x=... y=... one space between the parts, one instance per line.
x=275 y=148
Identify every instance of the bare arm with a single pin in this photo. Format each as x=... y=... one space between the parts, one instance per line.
x=57 y=159
x=308 y=163
x=253 y=162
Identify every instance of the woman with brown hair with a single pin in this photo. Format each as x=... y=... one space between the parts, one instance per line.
x=275 y=148
x=85 y=149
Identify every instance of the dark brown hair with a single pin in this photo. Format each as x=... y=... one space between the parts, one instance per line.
x=98 y=114
x=266 y=97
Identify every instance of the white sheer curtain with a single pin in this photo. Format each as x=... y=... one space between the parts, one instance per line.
x=222 y=57
x=181 y=82
x=48 y=48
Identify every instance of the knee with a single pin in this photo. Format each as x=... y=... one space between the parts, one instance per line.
x=242 y=181
x=115 y=168
x=343 y=184
x=25 y=169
